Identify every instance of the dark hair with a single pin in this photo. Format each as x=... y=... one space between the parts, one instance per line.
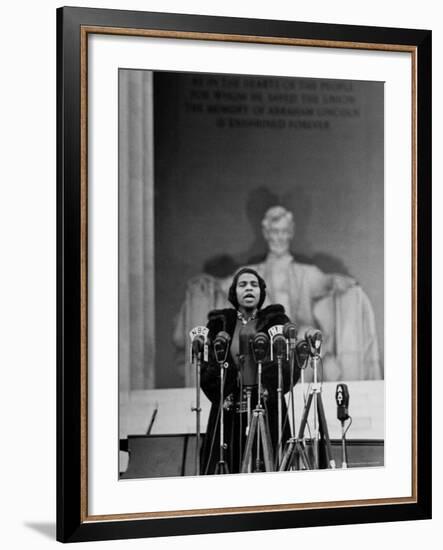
x=232 y=294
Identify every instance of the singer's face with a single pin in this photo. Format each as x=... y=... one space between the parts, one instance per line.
x=248 y=291
x=279 y=236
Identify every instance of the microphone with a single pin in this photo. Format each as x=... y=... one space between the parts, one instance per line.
x=301 y=353
x=276 y=333
x=199 y=339
x=342 y=399
x=290 y=333
x=260 y=344
x=279 y=346
x=198 y=344
x=221 y=346
x=314 y=338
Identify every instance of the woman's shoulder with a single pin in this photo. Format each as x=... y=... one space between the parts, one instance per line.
x=221 y=319
x=273 y=309
x=274 y=313
x=219 y=313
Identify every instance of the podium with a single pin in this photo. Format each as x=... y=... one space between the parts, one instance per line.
x=169 y=449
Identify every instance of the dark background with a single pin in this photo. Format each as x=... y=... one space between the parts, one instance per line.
x=228 y=147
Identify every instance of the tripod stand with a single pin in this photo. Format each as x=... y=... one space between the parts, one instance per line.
x=258 y=428
x=295 y=446
x=320 y=424
x=295 y=449
x=315 y=398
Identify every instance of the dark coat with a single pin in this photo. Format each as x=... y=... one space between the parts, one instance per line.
x=234 y=422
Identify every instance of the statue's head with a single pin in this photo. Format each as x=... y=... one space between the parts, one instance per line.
x=278 y=229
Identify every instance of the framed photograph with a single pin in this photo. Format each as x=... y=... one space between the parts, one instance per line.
x=244 y=274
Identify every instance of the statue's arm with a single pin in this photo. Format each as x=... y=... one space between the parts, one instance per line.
x=321 y=284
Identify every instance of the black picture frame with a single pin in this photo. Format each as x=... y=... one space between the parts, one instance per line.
x=73 y=523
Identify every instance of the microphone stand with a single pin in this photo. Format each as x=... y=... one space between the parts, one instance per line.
x=342 y=399
x=316 y=394
x=197 y=409
x=344 y=451
x=291 y=366
x=280 y=343
x=320 y=424
x=258 y=427
x=221 y=466
x=290 y=333
x=279 y=410
x=196 y=355
x=249 y=418
x=302 y=384
x=260 y=431
x=199 y=343
x=259 y=406
x=295 y=446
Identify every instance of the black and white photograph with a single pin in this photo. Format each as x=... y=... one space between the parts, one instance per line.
x=217 y=309
x=250 y=274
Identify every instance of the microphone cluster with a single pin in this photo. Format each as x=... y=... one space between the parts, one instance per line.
x=280 y=340
x=280 y=343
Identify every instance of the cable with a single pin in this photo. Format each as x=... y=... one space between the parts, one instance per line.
x=349 y=425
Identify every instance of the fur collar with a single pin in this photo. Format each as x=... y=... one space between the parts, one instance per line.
x=225 y=319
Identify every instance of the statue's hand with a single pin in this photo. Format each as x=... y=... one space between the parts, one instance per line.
x=341 y=283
